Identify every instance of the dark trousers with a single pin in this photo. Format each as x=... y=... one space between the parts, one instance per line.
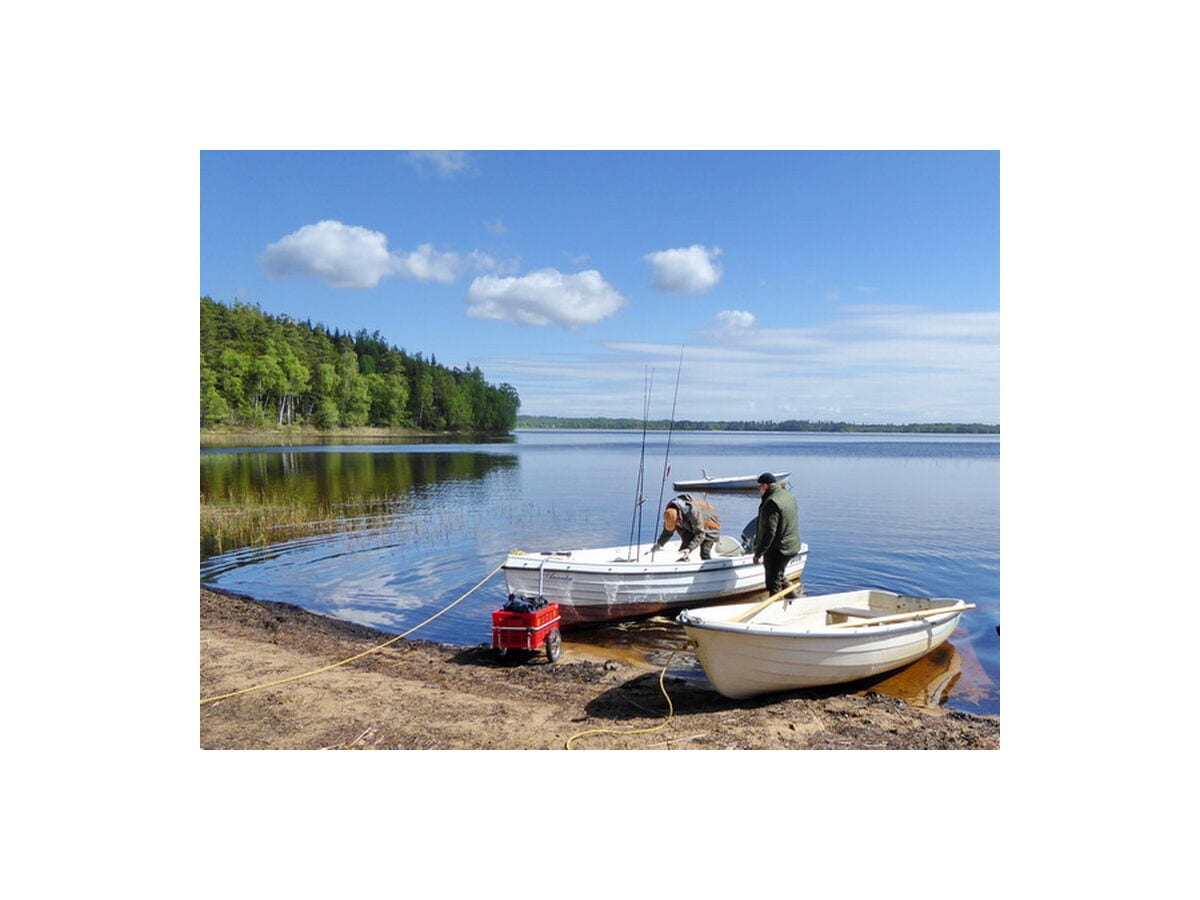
x=774 y=564
x=706 y=549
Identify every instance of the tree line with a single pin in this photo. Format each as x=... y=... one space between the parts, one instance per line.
x=258 y=370
x=788 y=425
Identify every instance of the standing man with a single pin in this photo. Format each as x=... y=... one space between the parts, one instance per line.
x=778 y=536
x=696 y=523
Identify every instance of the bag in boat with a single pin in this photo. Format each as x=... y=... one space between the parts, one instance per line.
x=727 y=545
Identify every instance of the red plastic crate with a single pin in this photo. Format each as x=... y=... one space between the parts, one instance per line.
x=523 y=631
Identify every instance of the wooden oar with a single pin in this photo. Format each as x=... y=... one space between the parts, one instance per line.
x=755 y=610
x=904 y=617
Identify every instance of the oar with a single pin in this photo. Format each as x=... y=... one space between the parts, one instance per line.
x=904 y=617
x=755 y=610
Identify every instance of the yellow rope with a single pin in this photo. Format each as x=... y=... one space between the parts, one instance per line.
x=661 y=725
x=360 y=655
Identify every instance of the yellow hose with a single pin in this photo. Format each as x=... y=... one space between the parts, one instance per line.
x=658 y=727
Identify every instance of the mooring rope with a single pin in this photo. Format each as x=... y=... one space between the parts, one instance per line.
x=359 y=655
x=658 y=727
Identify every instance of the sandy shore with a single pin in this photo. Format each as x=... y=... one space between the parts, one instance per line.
x=420 y=695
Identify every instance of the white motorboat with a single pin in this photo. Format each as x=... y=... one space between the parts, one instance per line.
x=728 y=483
x=609 y=583
x=748 y=649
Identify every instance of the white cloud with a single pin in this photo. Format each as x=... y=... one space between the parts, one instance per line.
x=426 y=264
x=443 y=163
x=544 y=297
x=341 y=255
x=485 y=262
x=735 y=319
x=981 y=326
x=875 y=366
x=684 y=270
x=352 y=256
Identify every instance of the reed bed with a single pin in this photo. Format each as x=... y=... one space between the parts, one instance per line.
x=249 y=521
x=226 y=526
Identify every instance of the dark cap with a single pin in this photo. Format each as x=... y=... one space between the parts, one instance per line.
x=766 y=478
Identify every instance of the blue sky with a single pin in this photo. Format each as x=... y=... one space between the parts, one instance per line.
x=852 y=286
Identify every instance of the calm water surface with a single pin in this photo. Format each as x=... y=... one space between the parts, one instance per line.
x=409 y=528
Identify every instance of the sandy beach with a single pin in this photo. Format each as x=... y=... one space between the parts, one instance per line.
x=416 y=695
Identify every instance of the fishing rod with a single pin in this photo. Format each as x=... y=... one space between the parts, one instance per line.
x=670 y=430
x=635 y=526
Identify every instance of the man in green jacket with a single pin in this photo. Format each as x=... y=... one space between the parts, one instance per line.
x=778 y=537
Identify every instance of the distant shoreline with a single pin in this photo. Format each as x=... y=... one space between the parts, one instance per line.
x=225 y=437
x=788 y=426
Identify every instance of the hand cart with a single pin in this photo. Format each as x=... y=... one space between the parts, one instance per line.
x=527 y=631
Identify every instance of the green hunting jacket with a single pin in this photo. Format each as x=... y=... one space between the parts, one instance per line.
x=778 y=523
x=698 y=522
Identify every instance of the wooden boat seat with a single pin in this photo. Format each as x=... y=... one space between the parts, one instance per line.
x=856 y=612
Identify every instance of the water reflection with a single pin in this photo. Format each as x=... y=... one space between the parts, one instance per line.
x=286 y=495
x=323 y=478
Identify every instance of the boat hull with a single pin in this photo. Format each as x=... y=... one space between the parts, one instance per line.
x=608 y=584
x=767 y=654
x=735 y=483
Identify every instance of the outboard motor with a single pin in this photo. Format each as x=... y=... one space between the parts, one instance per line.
x=748 y=535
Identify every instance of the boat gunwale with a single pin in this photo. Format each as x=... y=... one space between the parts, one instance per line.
x=777 y=630
x=533 y=562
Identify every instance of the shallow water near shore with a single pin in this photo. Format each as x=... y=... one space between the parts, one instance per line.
x=399 y=531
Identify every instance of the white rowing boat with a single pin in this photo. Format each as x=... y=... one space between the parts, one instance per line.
x=609 y=583
x=748 y=649
x=728 y=483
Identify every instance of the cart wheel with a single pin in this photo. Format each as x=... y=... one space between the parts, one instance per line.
x=553 y=645
x=501 y=653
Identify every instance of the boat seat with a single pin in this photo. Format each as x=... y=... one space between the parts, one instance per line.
x=856 y=612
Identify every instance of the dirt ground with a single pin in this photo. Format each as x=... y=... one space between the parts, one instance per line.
x=415 y=695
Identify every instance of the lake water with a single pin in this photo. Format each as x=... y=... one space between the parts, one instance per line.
x=406 y=529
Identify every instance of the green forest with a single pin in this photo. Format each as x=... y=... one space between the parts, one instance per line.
x=264 y=371
x=789 y=425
